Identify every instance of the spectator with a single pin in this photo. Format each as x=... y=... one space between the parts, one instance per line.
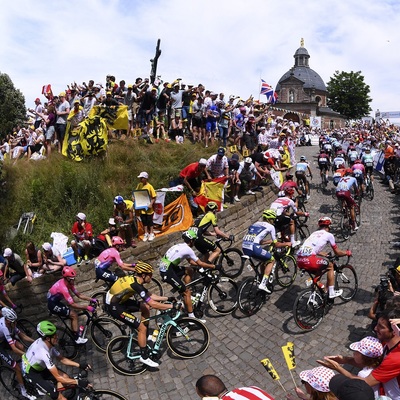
x=52 y=260
x=147 y=107
x=198 y=118
x=88 y=103
x=34 y=262
x=37 y=143
x=14 y=268
x=129 y=99
x=350 y=389
x=63 y=109
x=217 y=164
x=83 y=234
x=50 y=120
x=124 y=216
x=76 y=115
x=176 y=129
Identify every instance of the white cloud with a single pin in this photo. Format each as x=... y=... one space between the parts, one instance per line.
x=226 y=45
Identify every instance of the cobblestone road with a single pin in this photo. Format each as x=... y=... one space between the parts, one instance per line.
x=238 y=343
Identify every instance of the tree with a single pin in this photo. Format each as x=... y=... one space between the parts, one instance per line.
x=12 y=105
x=348 y=94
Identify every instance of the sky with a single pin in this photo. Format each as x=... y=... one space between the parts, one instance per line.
x=227 y=45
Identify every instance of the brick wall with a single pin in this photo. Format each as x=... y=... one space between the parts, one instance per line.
x=234 y=220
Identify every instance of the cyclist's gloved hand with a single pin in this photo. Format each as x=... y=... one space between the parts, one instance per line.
x=85 y=366
x=94 y=301
x=83 y=383
x=232 y=238
x=176 y=305
x=172 y=299
x=218 y=267
x=348 y=253
x=91 y=309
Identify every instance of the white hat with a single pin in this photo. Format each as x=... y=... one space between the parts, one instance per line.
x=248 y=160
x=46 y=246
x=81 y=216
x=111 y=221
x=203 y=161
x=369 y=347
x=7 y=252
x=143 y=175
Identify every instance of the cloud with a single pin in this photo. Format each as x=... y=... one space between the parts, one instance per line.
x=226 y=45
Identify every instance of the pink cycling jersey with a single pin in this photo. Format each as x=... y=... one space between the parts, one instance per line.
x=107 y=257
x=60 y=290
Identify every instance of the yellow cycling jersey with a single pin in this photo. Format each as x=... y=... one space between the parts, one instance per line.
x=126 y=287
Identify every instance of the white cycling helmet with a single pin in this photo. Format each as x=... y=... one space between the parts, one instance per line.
x=9 y=314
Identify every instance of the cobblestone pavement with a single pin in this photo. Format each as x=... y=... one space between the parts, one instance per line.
x=239 y=343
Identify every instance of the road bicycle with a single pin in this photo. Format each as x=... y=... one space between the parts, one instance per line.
x=301 y=199
x=313 y=303
x=284 y=271
x=154 y=287
x=301 y=228
x=346 y=222
x=71 y=392
x=102 y=329
x=324 y=182
x=369 y=188
x=230 y=259
x=186 y=338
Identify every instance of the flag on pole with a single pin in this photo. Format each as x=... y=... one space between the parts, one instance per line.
x=269 y=92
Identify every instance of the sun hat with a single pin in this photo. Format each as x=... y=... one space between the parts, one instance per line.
x=248 y=160
x=318 y=378
x=203 y=161
x=369 y=347
x=46 y=246
x=81 y=216
x=7 y=252
x=350 y=389
x=221 y=151
x=143 y=175
x=235 y=156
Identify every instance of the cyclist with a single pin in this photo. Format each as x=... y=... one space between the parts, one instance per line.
x=121 y=305
x=282 y=207
x=203 y=244
x=289 y=183
x=327 y=146
x=175 y=274
x=367 y=160
x=9 y=335
x=255 y=238
x=324 y=163
x=301 y=169
x=359 y=173
x=108 y=257
x=343 y=193
x=338 y=162
x=352 y=154
x=38 y=363
x=63 y=289
x=311 y=258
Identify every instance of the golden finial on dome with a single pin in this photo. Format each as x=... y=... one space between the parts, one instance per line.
x=302 y=42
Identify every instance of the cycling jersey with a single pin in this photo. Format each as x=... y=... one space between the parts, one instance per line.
x=251 y=242
x=353 y=155
x=302 y=167
x=6 y=334
x=124 y=288
x=316 y=242
x=367 y=160
x=175 y=255
x=338 y=161
x=346 y=183
x=209 y=219
x=283 y=204
x=62 y=290
x=358 y=169
x=107 y=258
x=323 y=158
x=39 y=357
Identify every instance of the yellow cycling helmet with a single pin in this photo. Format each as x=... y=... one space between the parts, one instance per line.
x=142 y=267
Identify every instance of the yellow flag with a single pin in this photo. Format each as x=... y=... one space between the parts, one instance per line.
x=288 y=353
x=270 y=369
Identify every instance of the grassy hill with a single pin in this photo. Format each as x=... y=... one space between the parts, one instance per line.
x=56 y=189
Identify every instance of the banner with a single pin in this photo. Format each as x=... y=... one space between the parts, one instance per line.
x=315 y=122
x=211 y=191
x=89 y=139
x=177 y=217
x=158 y=208
x=116 y=117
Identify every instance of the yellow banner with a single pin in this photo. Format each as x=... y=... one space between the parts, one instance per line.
x=288 y=353
x=89 y=139
x=270 y=369
x=116 y=117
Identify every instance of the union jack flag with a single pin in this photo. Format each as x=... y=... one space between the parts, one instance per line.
x=269 y=92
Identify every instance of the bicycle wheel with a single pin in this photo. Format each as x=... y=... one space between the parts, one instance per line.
x=371 y=193
x=103 y=394
x=100 y=296
x=188 y=338
x=27 y=327
x=66 y=343
x=103 y=329
x=232 y=262
x=345 y=227
x=308 y=309
x=155 y=287
x=9 y=381
x=301 y=207
x=222 y=295
x=250 y=298
x=286 y=271
x=347 y=280
x=302 y=231
x=357 y=212
x=117 y=355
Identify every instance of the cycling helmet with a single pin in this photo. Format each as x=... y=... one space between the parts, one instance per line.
x=289 y=190
x=212 y=205
x=116 y=241
x=269 y=214
x=9 y=314
x=68 y=272
x=358 y=161
x=189 y=235
x=324 y=221
x=46 y=329
x=367 y=149
x=303 y=158
x=118 y=200
x=142 y=267
x=348 y=171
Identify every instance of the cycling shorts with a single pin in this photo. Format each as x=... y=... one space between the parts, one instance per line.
x=313 y=263
x=106 y=275
x=360 y=178
x=258 y=253
x=58 y=308
x=323 y=167
x=123 y=312
x=6 y=354
x=346 y=196
x=301 y=176
x=173 y=276
x=204 y=245
x=369 y=170
x=42 y=380
x=282 y=221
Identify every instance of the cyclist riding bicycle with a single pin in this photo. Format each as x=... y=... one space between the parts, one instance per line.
x=311 y=258
x=289 y=183
x=108 y=257
x=324 y=163
x=255 y=238
x=63 y=289
x=367 y=160
x=39 y=368
x=343 y=193
x=352 y=155
x=338 y=162
x=203 y=244
x=120 y=305
x=9 y=343
x=172 y=271
x=301 y=169
x=359 y=173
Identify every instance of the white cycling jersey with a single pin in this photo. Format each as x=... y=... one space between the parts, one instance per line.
x=256 y=233
x=316 y=242
x=282 y=204
x=5 y=333
x=176 y=254
x=39 y=356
